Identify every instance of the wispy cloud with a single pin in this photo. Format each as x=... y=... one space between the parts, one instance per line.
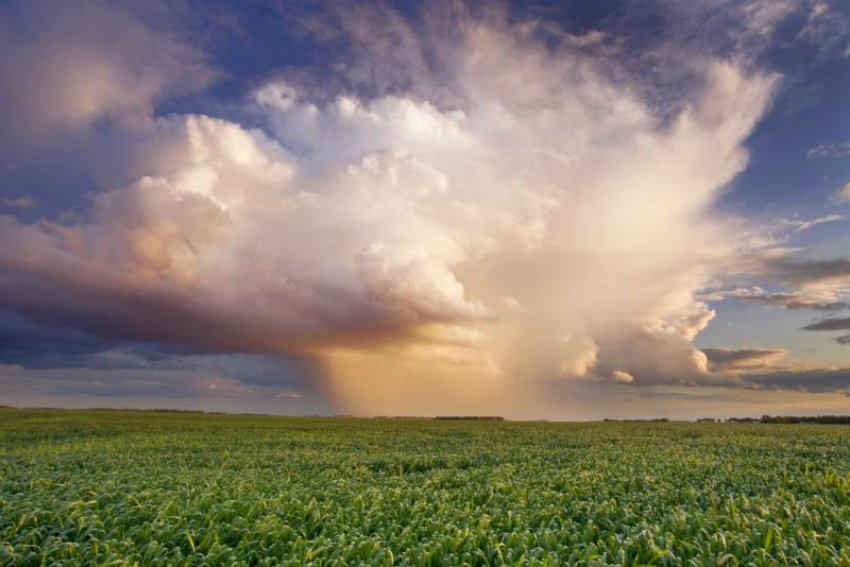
x=827 y=27
x=837 y=150
x=801 y=225
x=18 y=202
x=75 y=63
x=819 y=300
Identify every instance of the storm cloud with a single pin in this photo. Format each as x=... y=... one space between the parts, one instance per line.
x=451 y=218
x=823 y=380
x=831 y=324
x=743 y=359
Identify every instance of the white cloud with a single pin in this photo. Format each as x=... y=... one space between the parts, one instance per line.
x=801 y=225
x=623 y=377
x=392 y=239
x=837 y=150
x=843 y=194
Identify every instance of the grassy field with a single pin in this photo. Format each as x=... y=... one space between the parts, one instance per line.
x=166 y=488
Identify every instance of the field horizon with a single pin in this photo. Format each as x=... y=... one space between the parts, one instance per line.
x=809 y=418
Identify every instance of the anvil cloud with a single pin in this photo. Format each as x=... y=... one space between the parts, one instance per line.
x=514 y=210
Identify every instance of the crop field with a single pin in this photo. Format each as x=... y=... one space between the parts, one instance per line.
x=144 y=488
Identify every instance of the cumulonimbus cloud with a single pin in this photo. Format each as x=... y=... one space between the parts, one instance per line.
x=549 y=224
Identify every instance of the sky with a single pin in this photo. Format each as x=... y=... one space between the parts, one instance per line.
x=568 y=210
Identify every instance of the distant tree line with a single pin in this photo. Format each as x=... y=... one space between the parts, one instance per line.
x=829 y=419
x=824 y=419
x=469 y=418
x=653 y=420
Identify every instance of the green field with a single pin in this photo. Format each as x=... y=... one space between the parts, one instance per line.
x=168 y=488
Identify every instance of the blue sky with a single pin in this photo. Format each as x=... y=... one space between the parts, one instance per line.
x=563 y=210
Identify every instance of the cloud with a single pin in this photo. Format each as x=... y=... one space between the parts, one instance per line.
x=675 y=360
x=787 y=266
x=820 y=300
x=826 y=380
x=40 y=359
x=743 y=359
x=843 y=194
x=624 y=377
x=763 y=16
x=18 y=203
x=830 y=324
x=820 y=285
x=827 y=27
x=378 y=233
x=64 y=65
x=822 y=24
x=28 y=344
x=382 y=52
x=801 y=225
x=165 y=383
x=837 y=150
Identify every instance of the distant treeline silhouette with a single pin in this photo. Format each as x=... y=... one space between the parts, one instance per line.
x=829 y=419
x=824 y=419
x=469 y=418
x=653 y=420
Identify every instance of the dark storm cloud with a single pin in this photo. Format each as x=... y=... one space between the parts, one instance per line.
x=789 y=300
x=819 y=285
x=831 y=324
x=28 y=344
x=813 y=381
x=810 y=271
x=107 y=303
x=101 y=382
x=60 y=368
x=734 y=359
x=811 y=280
